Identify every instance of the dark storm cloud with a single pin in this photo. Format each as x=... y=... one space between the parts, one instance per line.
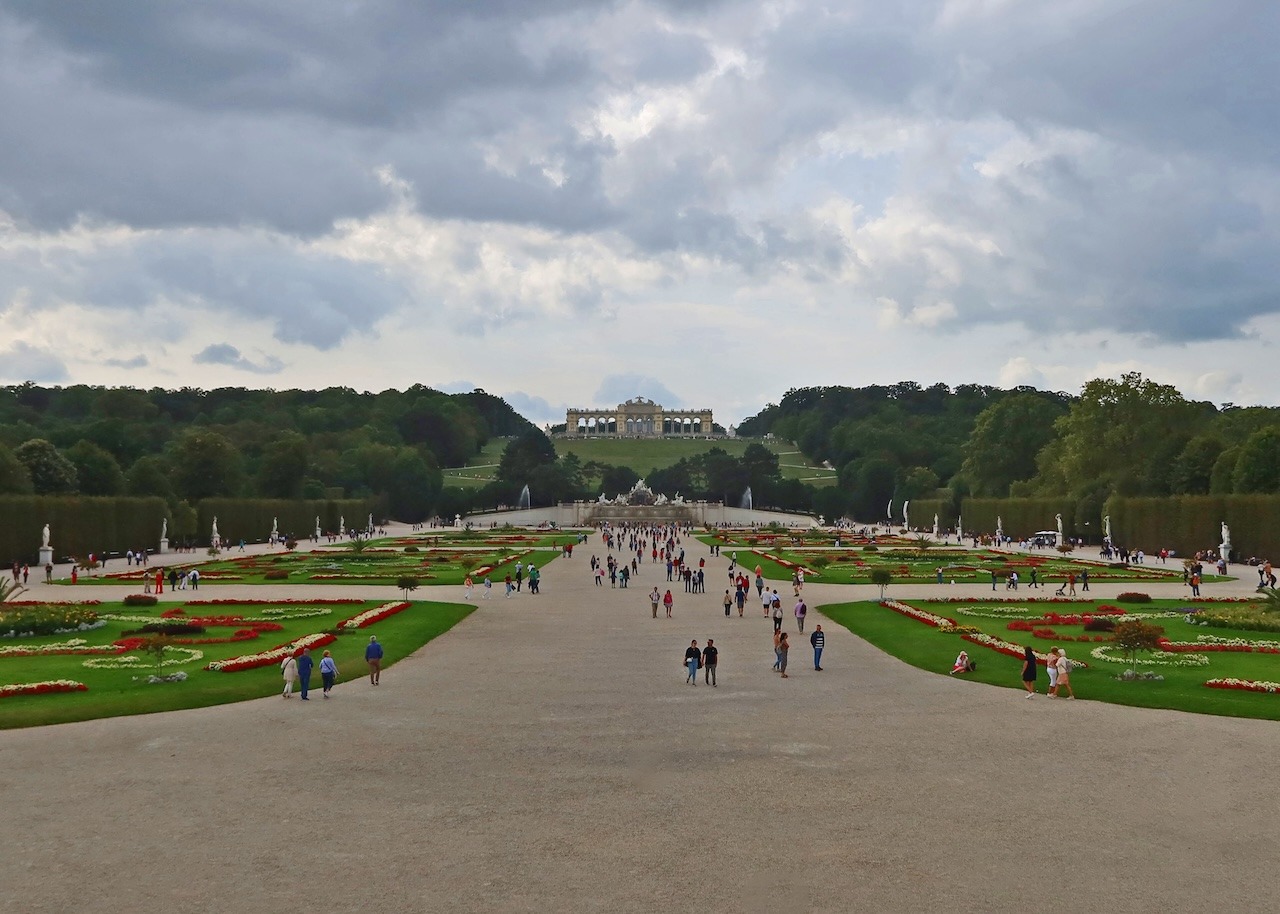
x=226 y=354
x=1082 y=163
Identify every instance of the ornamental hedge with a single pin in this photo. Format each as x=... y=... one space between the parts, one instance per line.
x=78 y=525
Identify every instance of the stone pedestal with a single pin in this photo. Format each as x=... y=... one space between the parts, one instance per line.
x=164 y=547
x=46 y=555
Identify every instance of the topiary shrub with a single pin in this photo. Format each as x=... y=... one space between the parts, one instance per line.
x=276 y=574
x=140 y=599
x=168 y=628
x=871 y=548
x=1133 y=597
x=411 y=549
x=1100 y=625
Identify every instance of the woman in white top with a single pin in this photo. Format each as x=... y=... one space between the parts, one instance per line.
x=1064 y=673
x=1051 y=667
x=962 y=663
x=289 y=668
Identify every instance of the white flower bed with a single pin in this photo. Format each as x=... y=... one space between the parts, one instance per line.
x=275 y=655
x=182 y=655
x=1104 y=652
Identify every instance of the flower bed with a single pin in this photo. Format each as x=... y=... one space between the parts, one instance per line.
x=920 y=615
x=275 y=655
x=336 y=601
x=1161 y=658
x=1245 y=685
x=33 y=619
x=182 y=655
x=377 y=614
x=1221 y=645
x=42 y=688
x=1009 y=648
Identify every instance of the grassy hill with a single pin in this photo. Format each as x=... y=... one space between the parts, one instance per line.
x=642 y=455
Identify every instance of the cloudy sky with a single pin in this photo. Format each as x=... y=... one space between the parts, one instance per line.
x=569 y=203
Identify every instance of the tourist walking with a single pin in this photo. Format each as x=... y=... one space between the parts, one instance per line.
x=328 y=672
x=777 y=615
x=668 y=601
x=783 y=647
x=741 y=598
x=1029 y=671
x=710 y=657
x=728 y=604
x=1064 y=674
x=777 y=656
x=373 y=657
x=305 y=663
x=817 y=641
x=655 y=598
x=468 y=586
x=801 y=611
x=289 y=669
x=1051 y=668
x=692 y=658
x=488 y=587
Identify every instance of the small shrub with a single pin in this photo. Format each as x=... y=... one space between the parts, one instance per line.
x=411 y=549
x=276 y=574
x=140 y=599
x=872 y=548
x=291 y=544
x=1132 y=596
x=821 y=561
x=1065 y=548
x=1100 y=625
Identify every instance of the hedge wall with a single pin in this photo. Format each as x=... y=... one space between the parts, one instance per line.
x=1024 y=516
x=923 y=509
x=250 y=518
x=77 y=525
x=1189 y=523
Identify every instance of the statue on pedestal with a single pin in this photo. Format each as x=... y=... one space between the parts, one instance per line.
x=935 y=526
x=999 y=528
x=1058 y=518
x=213 y=536
x=1106 y=527
x=906 y=518
x=275 y=527
x=44 y=536
x=342 y=525
x=164 y=529
x=1224 y=549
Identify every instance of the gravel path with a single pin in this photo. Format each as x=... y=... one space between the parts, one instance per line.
x=546 y=756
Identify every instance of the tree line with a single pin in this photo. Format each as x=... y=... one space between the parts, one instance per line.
x=188 y=445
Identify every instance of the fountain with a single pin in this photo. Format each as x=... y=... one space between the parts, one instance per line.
x=747 y=501
x=524 y=498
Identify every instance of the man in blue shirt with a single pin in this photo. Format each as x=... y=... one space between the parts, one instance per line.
x=818 y=641
x=304 y=671
x=373 y=656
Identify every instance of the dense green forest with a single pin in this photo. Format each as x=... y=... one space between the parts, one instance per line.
x=190 y=444
x=1129 y=436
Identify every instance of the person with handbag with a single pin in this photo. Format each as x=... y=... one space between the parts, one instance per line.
x=692 y=660
x=328 y=672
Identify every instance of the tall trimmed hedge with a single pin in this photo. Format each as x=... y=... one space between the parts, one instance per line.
x=923 y=509
x=1023 y=516
x=78 y=525
x=250 y=518
x=1189 y=523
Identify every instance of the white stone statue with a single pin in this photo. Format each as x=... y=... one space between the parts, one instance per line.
x=888 y=510
x=603 y=499
x=370 y=522
x=1106 y=527
x=44 y=536
x=679 y=499
x=275 y=527
x=999 y=527
x=660 y=500
x=960 y=527
x=1058 y=518
x=906 y=518
x=1224 y=549
x=317 y=526
x=164 y=529
x=935 y=526
x=342 y=525
x=214 y=533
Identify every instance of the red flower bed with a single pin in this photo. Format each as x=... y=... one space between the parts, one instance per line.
x=42 y=688
x=331 y=602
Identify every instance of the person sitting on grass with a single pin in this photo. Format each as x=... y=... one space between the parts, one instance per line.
x=963 y=664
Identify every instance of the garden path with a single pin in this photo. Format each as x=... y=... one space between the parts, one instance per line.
x=545 y=755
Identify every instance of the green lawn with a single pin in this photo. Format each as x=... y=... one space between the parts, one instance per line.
x=1182 y=689
x=116 y=692
x=375 y=565
x=646 y=454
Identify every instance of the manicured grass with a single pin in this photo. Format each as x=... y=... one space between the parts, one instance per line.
x=1182 y=689
x=113 y=693
x=646 y=454
x=431 y=566
x=959 y=566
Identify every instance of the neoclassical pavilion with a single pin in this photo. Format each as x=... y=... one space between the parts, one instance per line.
x=637 y=418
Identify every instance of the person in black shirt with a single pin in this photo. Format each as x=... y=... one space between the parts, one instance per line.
x=818 y=641
x=710 y=654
